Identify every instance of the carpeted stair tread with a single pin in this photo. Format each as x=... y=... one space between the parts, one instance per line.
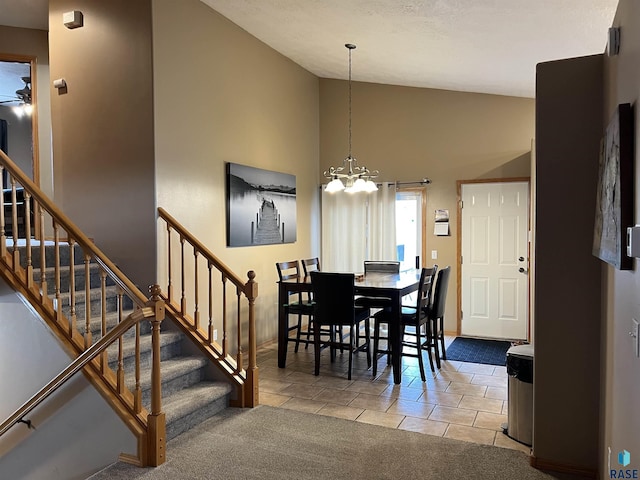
x=191 y=406
x=176 y=374
x=129 y=346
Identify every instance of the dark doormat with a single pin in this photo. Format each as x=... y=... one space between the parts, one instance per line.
x=475 y=350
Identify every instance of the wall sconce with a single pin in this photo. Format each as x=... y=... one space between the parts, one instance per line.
x=72 y=19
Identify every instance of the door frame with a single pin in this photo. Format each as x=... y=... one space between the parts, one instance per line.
x=35 y=156
x=459 y=184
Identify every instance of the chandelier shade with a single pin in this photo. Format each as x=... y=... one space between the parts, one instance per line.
x=350 y=177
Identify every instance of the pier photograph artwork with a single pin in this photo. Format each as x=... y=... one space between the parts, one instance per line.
x=261 y=206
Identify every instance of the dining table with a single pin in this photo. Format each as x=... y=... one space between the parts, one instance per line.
x=373 y=284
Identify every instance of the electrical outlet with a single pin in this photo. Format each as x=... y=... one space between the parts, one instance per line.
x=434 y=254
x=634 y=336
x=215 y=334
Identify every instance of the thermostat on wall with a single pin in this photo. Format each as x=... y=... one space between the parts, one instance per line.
x=633 y=241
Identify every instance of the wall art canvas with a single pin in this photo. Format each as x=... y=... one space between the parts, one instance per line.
x=261 y=206
x=614 y=202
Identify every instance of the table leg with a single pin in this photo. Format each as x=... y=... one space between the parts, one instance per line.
x=283 y=332
x=395 y=337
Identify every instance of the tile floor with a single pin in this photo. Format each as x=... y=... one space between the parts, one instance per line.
x=465 y=401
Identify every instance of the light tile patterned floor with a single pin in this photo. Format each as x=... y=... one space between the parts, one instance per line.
x=465 y=401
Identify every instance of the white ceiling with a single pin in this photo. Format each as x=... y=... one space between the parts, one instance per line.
x=486 y=46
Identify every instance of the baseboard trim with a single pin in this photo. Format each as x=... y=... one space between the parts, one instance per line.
x=542 y=464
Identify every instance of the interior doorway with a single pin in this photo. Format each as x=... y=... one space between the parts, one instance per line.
x=18 y=112
x=494 y=259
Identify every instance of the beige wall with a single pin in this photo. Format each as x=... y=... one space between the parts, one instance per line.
x=103 y=128
x=223 y=96
x=411 y=133
x=567 y=281
x=620 y=418
x=34 y=43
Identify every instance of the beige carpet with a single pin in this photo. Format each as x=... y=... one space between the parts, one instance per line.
x=271 y=443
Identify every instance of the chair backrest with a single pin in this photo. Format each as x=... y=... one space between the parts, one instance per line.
x=288 y=270
x=440 y=293
x=427 y=279
x=333 y=294
x=311 y=265
x=385 y=266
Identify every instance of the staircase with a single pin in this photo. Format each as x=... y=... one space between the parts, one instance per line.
x=155 y=364
x=189 y=395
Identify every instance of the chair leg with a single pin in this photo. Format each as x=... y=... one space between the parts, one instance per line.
x=309 y=332
x=368 y=340
x=376 y=345
x=436 y=348
x=419 y=352
x=316 y=347
x=352 y=334
x=441 y=335
x=298 y=333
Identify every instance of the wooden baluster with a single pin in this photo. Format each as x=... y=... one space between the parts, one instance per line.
x=251 y=291
x=14 y=226
x=170 y=285
x=224 y=315
x=72 y=289
x=196 y=312
x=43 y=257
x=120 y=372
x=137 y=394
x=239 y=361
x=156 y=420
x=183 y=299
x=210 y=265
x=3 y=237
x=87 y=303
x=27 y=230
x=56 y=250
x=104 y=359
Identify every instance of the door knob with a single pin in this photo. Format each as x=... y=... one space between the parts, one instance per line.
x=522 y=270
x=521 y=259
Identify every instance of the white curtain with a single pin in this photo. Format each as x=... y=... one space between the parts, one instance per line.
x=358 y=227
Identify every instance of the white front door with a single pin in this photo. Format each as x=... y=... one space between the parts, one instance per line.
x=494 y=270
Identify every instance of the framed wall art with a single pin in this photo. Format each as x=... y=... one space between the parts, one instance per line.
x=614 y=201
x=261 y=206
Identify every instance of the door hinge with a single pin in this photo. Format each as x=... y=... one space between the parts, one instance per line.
x=461 y=204
x=461 y=314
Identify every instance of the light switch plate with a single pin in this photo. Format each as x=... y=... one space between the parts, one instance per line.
x=634 y=336
x=434 y=254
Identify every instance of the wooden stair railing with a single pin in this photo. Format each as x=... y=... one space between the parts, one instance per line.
x=229 y=354
x=27 y=239
x=75 y=366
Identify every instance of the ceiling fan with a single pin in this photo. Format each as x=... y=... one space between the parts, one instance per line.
x=23 y=95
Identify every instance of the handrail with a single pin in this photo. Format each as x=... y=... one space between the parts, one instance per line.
x=75 y=366
x=127 y=285
x=245 y=380
x=57 y=306
x=228 y=273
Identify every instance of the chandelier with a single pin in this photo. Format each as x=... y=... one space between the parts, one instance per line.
x=350 y=177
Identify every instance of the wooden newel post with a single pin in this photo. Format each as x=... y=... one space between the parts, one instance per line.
x=251 y=291
x=156 y=419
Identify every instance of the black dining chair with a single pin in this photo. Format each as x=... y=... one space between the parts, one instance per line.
x=436 y=313
x=310 y=265
x=416 y=332
x=385 y=266
x=296 y=304
x=334 y=307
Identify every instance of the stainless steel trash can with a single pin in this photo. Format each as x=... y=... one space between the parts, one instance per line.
x=520 y=394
